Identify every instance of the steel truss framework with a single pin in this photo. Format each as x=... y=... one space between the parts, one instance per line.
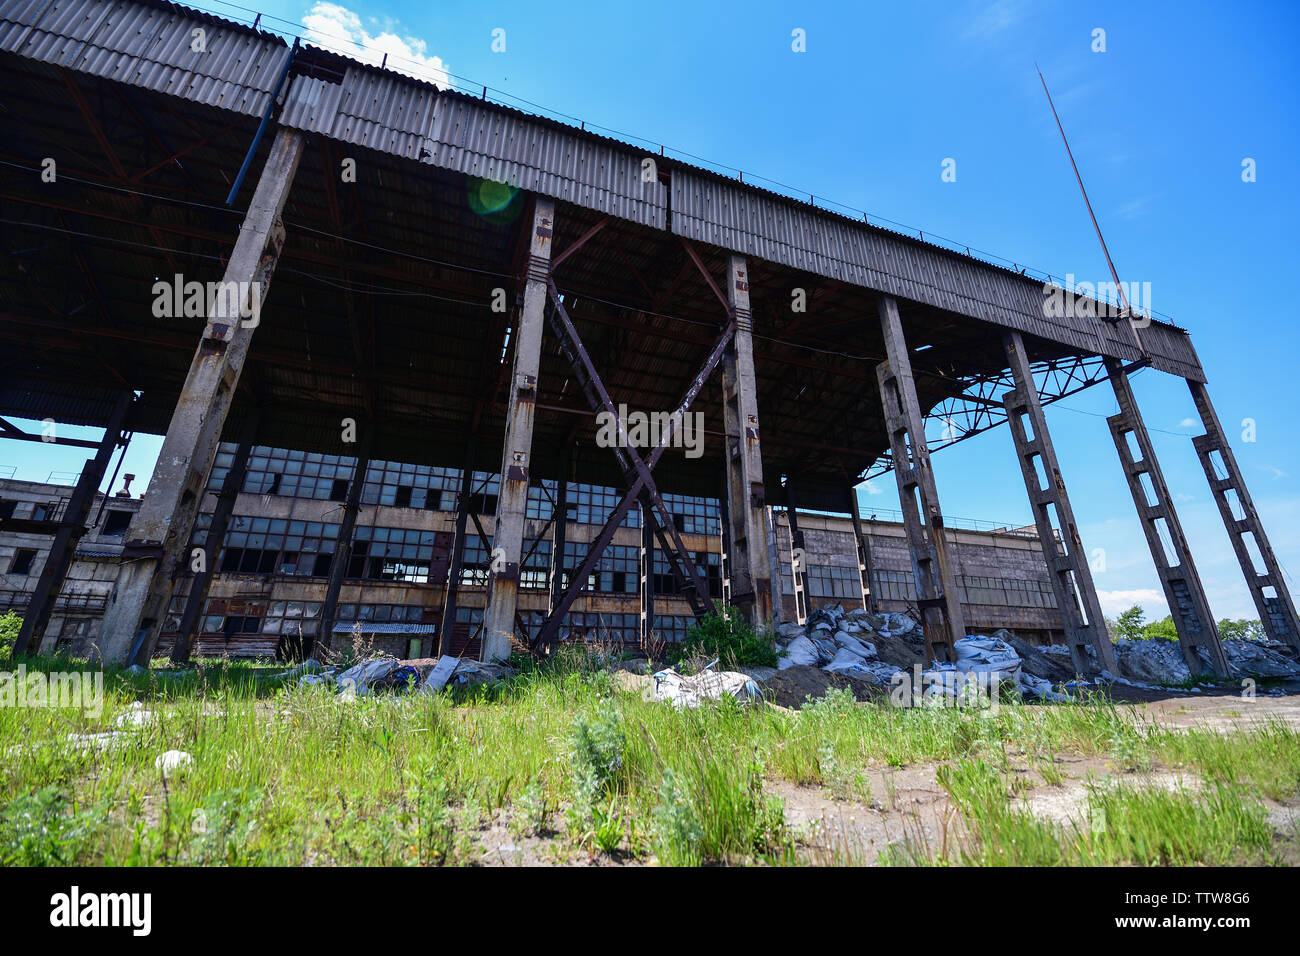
x=980 y=405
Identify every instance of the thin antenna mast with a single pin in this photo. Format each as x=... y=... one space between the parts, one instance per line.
x=1128 y=310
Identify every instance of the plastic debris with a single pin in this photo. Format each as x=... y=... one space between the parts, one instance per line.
x=690 y=692
x=173 y=762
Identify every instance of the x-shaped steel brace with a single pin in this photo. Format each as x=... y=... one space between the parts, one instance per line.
x=637 y=470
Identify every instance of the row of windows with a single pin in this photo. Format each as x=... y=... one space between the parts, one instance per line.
x=295 y=474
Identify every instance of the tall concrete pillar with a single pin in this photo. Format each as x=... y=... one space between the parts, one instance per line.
x=1178 y=577
x=751 y=584
x=225 y=507
x=343 y=545
x=512 y=502
x=1076 y=595
x=71 y=527
x=1276 y=609
x=161 y=528
x=936 y=590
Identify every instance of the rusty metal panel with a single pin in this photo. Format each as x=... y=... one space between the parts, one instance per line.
x=149 y=46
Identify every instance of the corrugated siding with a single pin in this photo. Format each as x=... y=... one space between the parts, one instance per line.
x=508 y=147
x=732 y=217
x=148 y=47
x=374 y=110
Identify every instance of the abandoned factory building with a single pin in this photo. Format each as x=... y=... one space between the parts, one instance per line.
x=269 y=588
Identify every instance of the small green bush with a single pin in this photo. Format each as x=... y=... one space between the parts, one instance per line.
x=10 y=625
x=727 y=636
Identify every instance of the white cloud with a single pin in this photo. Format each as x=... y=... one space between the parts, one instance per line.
x=995 y=18
x=1152 y=601
x=1275 y=471
x=1187 y=423
x=873 y=488
x=339 y=29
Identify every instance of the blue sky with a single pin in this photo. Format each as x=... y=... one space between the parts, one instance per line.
x=1160 y=124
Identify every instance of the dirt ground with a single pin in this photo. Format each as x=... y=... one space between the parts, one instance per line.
x=1213 y=709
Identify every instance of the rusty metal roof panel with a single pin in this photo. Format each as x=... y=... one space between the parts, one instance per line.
x=150 y=46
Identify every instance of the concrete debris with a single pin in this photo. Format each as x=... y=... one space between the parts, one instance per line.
x=173 y=763
x=690 y=692
x=136 y=716
x=876 y=648
x=1260 y=659
x=390 y=674
x=1152 y=662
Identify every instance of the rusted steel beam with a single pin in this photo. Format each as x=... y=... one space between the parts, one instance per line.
x=549 y=633
x=578 y=243
x=629 y=458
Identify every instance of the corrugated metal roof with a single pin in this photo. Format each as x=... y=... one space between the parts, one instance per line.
x=148 y=43
x=150 y=46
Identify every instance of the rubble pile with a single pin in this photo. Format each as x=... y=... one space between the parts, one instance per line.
x=874 y=648
x=386 y=673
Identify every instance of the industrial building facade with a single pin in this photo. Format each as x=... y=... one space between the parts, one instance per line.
x=470 y=287
x=267 y=596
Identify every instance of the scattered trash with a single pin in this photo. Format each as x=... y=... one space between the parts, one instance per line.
x=136 y=716
x=173 y=763
x=690 y=692
x=440 y=674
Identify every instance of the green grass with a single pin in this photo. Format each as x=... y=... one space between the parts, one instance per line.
x=291 y=776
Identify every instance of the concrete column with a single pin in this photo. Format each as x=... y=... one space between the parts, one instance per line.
x=724 y=543
x=1178 y=577
x=71 y=527
x=225 y=506
x=751 y=585
x=798 y=559
x=1276 y=609
x=161 y=528
x=1076 y=595
x=447 y=623
x=343 y=546
x=512 y=502
x=936 y=591
x=647 y=573
x=864 y=552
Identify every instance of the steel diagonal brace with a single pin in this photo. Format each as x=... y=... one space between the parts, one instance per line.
x=629 y=460
x=550 y=629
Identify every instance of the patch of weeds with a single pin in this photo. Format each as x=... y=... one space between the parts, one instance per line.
x=221 y=830
x=676 y=829
x=44 y=829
